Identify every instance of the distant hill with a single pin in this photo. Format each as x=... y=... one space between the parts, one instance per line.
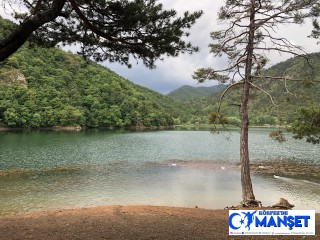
x=186 y=93
x=287 y=96
x=41 y=87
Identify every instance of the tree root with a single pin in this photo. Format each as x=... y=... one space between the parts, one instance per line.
x=252 y=203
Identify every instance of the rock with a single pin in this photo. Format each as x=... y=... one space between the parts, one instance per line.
x=283 y=204
x=13 y=76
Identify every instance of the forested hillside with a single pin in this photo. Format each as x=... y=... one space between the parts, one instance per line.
x=41 y=87
x=185 y=93
x=277 y=101
x=46 y=87
x=289 y=95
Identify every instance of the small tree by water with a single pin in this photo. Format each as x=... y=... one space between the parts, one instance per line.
x=249 y=33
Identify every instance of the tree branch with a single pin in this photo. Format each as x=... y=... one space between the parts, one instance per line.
x=279 y=50
x=87 y=23
x=21 y=34
x=264 y=92
x=224 y=93
x=285 y=85
x=283 y=78
x=37 y=7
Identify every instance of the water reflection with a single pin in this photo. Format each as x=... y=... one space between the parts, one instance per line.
x=52 y=170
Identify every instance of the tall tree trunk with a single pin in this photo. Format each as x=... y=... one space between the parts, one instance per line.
x=246 y=184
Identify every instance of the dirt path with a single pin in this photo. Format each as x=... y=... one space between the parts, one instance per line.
x=124 y=222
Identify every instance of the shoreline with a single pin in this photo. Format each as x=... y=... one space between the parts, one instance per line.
x=283 y=168
x=140 y=127
x=78 y=128
x=125 y=222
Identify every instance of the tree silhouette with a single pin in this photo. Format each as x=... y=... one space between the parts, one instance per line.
x=110 y=30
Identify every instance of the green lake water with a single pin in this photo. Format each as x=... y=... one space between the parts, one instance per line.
x=48 y=170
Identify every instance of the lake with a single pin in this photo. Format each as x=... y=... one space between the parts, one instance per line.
x=46 y=170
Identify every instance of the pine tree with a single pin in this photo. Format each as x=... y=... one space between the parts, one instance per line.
x=111 y=30
x=315 y=13
x=250 y=33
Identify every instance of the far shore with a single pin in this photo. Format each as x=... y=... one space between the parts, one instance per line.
x=79 y=128
x=125 y=222
x=140 y=127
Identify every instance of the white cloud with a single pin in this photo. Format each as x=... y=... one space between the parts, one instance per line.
x=7 y=8
x=174 y=72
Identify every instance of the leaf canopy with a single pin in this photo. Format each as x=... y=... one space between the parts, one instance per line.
x=113 y=30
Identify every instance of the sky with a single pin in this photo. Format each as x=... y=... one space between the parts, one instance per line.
x=172 y=73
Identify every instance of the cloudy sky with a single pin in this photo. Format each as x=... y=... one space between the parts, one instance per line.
x=175 y=72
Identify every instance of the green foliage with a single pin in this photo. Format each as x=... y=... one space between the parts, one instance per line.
x=6 y=27
x=243 y=45
x=287 y=95
x=187 y=93
x=106 y=30
x=216 y=118
x=307 y=124
x=277 y=136
x=235 y=121
x=315 y=13
x=261 y=120
x=203 y=74
x=64 y=89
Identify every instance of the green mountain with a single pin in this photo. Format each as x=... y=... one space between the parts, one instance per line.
x=185 y=93
x=42 y=87
x=288 y=96
x=275 y=102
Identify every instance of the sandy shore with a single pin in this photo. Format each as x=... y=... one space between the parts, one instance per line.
x=125 y=222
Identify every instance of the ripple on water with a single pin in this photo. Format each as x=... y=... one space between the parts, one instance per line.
x=43 y=171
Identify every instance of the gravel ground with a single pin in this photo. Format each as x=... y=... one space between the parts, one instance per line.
x=125 y=222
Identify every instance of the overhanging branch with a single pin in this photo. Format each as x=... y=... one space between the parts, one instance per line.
x=224 y=93
x=261 y=89
x=283 y=78
x=87 y=23
x=21 y=34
